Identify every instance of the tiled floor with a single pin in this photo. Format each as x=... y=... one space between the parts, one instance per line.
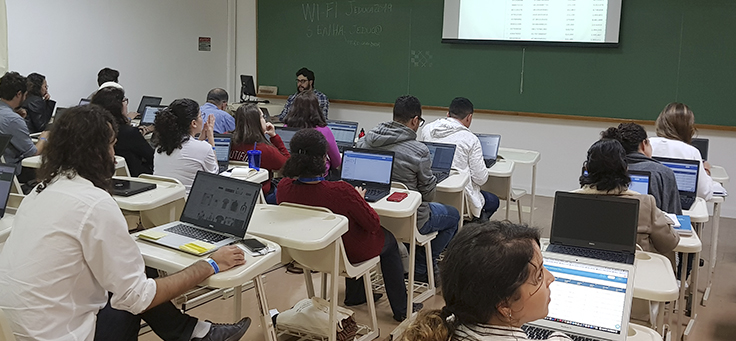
x=716 y=321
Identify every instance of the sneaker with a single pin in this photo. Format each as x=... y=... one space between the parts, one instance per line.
x=414 y=307
x=226 y=332
x=376 y=297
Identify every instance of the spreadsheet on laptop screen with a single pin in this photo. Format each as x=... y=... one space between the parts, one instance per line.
x=639 y=183
x=222 y=148
x=685 y=174
x=587 y=296
x=344 y=133
x=367 y=167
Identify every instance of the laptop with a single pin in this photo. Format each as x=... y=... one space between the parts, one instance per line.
x=441 y=155
x=126 y=188
x=590 y=299
x=286 y=134
x=85 y=101
x=217 y=212
x=222 y=150
x=490 y=144
x=686 y=175
x=702 y=146
x=4 y=141
x=370 y=169
x=601 y=227
x=149 y=114
x=639 y=181
x=344 y=132
x=148 y=101
x=7 y=173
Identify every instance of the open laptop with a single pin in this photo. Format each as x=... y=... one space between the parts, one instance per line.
x=686 y=175
x=590 y=299
x=222 y=150
x=370 y=169
x=344 y=132
x=286 y=134
x=441 y=155
x=126 y=188
x=490 y=144
x=639 y=181
x=149 y=114
x=217 y=212
x=7 y=173
x=702 y=146
x=85 y=101
x=594 y=226
x=4 y=141
x=148 y=101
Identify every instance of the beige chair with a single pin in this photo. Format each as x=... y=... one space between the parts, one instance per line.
x=6 y=334
x=333 y=260
x=501 y=186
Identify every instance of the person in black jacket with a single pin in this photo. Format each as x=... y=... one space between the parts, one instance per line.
x=131 y=144
x=38 y=105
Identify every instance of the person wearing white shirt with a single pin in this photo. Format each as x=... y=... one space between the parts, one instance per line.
x=70 y=247
x=675 y=128
x=455 y=129
x=179 y=154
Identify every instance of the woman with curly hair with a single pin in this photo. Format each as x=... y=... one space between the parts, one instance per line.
x=38 y=104
x=305 y=113
x=179 y=154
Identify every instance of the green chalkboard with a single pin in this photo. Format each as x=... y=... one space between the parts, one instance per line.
x=670 y=50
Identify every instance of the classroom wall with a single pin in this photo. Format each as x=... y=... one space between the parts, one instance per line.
x=152 y=43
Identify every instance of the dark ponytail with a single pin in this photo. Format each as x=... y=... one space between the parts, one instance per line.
x=172 y=125
x=630 y=135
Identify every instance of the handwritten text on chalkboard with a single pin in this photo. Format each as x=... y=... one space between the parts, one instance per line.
x=333 y=19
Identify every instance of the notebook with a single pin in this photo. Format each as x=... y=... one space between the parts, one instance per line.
x=148 y=101
x=490 y=144
x=702 y=146
x=370 y=169
x=441 y=155
x=686 y=175
x=286 y=134
x=222 y=150
x=216 y=213
x=639 y=181
x=126 y=188
x=595 y=226
x=344 y=132
x=149 y=114
x=7 y=173
x=590 y=299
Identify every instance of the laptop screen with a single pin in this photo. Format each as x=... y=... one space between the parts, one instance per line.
x=286 y=134
x=490 y=144
x=222 y=147
x=587 y=296
x=639 y=182
x=148 y=101
x=221 y=203
x=702 y=146
x=367 y=167
x=344 y=132
x=686 y=173
x=149 y=114
x=595 y=221
x=7 y=172
x=84 y=101
x=441 y=155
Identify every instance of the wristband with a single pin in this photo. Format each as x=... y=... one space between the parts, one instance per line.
x=42 y=139
x=214 y=264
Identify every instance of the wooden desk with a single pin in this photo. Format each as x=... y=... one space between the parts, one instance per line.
x=451 y=191
x=527 y=157
x=121 y=168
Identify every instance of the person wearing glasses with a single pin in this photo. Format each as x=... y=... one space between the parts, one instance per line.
x=412 y=167
x=305 y=82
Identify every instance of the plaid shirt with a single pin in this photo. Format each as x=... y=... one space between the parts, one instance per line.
x=324 y=104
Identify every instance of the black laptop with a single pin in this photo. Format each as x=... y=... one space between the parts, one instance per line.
x=370 y=169
x=126 y=188
x=686 y=175
x=702 y=146
x=441 y=155
x=595 y=226
x=344 y=132
x=149 y=114
x=222 y=150
x=286 y=134
x=490 y=144
x=148 y=101
x=7 y=173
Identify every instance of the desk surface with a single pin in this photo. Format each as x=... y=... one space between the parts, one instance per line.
x=454 y=183
x=519 y=155
x=689 y=244
x=164 y=193
x=698 y=212
x=654 y=279
x=297 y=228
x=502 y=169
x=719 y=174
x=247 y=174
x=35 y=161
x=401 y=209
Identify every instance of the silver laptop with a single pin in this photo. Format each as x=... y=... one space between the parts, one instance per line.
x=490 y=144
x=222 y=150
x=344 y=132
x=590 y=299
x=686 y=175
x=370 y=169
x=639 y=181
x=217 y=212
x=441 y=155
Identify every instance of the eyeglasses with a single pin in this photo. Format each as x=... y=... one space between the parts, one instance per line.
x=302 y=81
x=125 y=100
x=421 y=120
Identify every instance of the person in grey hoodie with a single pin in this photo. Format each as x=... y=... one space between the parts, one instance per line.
x=662 y=182
x=412 y=167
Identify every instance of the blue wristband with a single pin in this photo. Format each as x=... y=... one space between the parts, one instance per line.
x=214 y=264
x=42 y=139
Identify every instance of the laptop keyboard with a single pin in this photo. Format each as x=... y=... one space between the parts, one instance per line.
x=687 y=202
x=489 y=163
x=441 y=175
x=536 y=333
x=196 y=233
x=374 y=194
x=610 y=256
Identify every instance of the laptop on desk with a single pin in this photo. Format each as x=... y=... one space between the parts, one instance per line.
x=686 y=175
x=126 y=188
x=7 y=173
x=702 y=146
x=600 y=227
x=370 y=169
x=149 y=114
x=344 y=132
x=85 y=101
x=217 y=212
x=148 y=101
x=441 y=155
x=222 y=150
x=639 y=181
x=490 y=144
x=286 y=134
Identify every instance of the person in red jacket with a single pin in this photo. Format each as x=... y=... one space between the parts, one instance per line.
x=250 y=129
x=305 y=184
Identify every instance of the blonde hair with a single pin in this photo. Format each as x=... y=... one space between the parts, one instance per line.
x=429 y=326
x=676 y=122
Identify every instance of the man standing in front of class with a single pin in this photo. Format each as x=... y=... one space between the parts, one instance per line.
x=305 y=82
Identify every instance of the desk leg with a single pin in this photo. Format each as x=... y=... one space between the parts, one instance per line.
x=713 y=250
x=238 y=301
x=266 y=322
x=660 y=319
x=534 y=194
x=412 y=266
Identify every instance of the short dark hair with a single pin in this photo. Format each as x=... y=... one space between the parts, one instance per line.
x=308 y=150
x=606 y=166
x=306 y=73
x=248 y=128
x=407 y=107
x=107 y=75
x=460 y=108
x=630 y=135
x=305 y=112
x=79 y=144
x=111 y=99
x=172 y=124
x=10 y=84
x=35 y=82
x=217 y=96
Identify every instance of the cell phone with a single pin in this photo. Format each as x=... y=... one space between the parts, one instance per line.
x=253 y=245
x=397 y=196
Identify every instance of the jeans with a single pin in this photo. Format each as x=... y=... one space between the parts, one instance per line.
x=491 y=205
x=443 y=219
x=393 y=278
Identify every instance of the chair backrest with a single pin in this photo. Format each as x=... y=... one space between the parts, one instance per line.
x=500 y=186
x=305 y=207
x=399 y=185
x=160 y=178
x=6 y=334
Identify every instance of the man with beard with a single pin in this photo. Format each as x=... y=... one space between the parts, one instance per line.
x=305 y=82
